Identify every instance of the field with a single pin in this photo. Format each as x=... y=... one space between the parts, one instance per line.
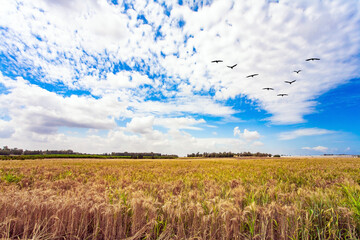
x=180 y=199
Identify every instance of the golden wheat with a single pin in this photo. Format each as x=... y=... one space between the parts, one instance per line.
x=180 y=199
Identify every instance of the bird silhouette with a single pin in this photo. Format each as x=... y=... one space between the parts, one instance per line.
x=252 y=75
x=290 y=82
x=297 y=71
x=282 y=94
x=232 y=66
x=268 y=88
x=312 y=59
x=216 y=61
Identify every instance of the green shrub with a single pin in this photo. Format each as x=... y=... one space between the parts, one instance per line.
x=11 y=178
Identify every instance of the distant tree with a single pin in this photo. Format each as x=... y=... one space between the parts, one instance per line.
x=16 y=151
x=228 y=154
x=4 y=152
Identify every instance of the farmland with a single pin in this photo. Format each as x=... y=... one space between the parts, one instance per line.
x=180 y=199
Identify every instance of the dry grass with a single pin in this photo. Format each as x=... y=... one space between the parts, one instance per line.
x=180 y=199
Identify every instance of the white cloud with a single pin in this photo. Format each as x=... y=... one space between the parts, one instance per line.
x=89 y=38
x=113 y=82
x=120 y=139
x=303 y=132
x=141 y=124
x=195 y=105
x=34 y=109
x=247 y=135
x=258 y=143
x=179 y=123
x=251 y=135
x=318 y=148
x=6 y=130
x=237 y=131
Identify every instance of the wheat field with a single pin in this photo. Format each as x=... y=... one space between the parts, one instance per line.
x=180 y=199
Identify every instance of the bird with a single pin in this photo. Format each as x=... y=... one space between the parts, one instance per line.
x=252 y=75
x=297 y=71
x=282 y=94
x=216 y=61
x=290 y=82
x=312 y=59
x=268 y=88
x=232 y=66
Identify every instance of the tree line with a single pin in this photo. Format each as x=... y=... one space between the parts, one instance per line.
x=136 y=155
x=228 y=154
x=16 y=151
x=6 y=151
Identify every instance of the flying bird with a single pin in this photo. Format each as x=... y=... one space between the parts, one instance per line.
x=290 y=82
x=232 y=66
x=216 y=61
x=268 y=88
x=252 y=75
x=282 y=94
x=312 y=59
x=297 y=71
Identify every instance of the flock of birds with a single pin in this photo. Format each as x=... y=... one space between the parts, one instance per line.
x=269 y=88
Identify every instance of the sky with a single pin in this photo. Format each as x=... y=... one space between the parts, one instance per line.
x=102 y=76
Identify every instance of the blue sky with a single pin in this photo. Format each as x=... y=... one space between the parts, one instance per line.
x=101 y=76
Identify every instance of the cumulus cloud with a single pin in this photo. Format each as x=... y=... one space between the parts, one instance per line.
x=237 y=131
x=247 y=135
x=303 y=132
x=141 y=124
x=35 y=109
x=120 y=139
x=6 y=130
x=251 y=135
x=318 y=148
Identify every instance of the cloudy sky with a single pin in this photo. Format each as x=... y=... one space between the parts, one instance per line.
x=100 y=76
